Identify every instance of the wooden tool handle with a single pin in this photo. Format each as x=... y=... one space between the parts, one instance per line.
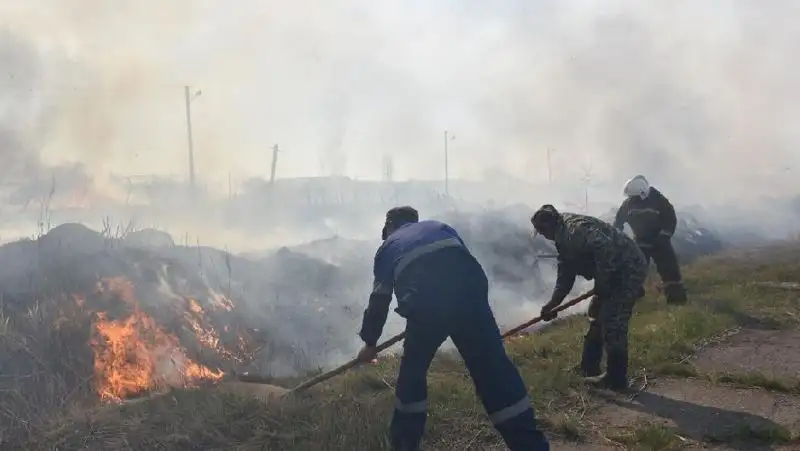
x=351 y=364
x=399 y=337
x=560 y=308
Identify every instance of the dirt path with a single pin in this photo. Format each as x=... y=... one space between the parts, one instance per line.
x=772 y=353
x=725 y=406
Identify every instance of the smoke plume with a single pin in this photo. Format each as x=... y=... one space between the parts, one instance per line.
x=701 y=97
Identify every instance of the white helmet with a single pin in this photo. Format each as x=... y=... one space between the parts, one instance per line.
x=637 y=186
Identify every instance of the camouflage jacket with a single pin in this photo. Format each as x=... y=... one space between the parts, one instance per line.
x=594 y=249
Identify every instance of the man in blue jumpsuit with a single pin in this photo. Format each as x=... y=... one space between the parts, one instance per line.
x=442 y=291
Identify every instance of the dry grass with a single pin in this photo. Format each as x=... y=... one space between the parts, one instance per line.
x=42 y=370
x=352 y=412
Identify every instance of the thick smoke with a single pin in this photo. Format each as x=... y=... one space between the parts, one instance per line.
x=24 y=117
x=666 y=90
x=698 y=96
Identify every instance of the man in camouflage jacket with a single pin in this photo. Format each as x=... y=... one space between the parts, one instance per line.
x=594 y=249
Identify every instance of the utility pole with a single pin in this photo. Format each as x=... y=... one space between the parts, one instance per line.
x=189 y=132
x=189 y=97
x=274 y=164
x=388 y=169
x=550 y=165
x=447 y=138
x=587 y=183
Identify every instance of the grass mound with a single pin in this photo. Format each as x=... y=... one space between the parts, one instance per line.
x=352 y=412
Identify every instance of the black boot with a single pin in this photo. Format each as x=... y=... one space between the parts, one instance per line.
x=592 y=351
x=616 y=377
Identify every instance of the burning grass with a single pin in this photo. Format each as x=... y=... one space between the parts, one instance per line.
x=109 y=341
x=133 y=355
x=352 y=412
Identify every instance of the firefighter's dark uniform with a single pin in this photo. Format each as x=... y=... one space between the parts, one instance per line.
x=442 y=291
x=591 y=248
x=653 y=222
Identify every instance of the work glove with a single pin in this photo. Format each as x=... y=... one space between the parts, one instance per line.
x=664 y=237
x=548 y=314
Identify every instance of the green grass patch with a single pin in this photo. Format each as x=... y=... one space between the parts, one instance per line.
x=757 y=380
x=773 y=435
x=647 y=436
x=740 y=380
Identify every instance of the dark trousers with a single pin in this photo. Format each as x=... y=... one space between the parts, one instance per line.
x=609 y=320
x=608 y=330
x=472 y=326
x=668 y=267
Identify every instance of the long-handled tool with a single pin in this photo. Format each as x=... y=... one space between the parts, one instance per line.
x=399 y=337
x=351 y=364
x=546 y=256
x=325 y=376
x=562 y=307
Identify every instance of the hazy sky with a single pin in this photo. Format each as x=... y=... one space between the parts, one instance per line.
x=702 y=97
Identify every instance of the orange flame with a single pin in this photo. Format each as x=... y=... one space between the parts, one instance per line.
x=133 y=355
x=207 y=336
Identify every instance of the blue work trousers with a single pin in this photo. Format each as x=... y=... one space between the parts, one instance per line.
x=472 y=326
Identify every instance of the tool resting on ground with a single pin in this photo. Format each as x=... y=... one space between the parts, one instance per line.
x=399 y=337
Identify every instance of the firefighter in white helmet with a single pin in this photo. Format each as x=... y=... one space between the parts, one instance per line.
x=652 y=219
